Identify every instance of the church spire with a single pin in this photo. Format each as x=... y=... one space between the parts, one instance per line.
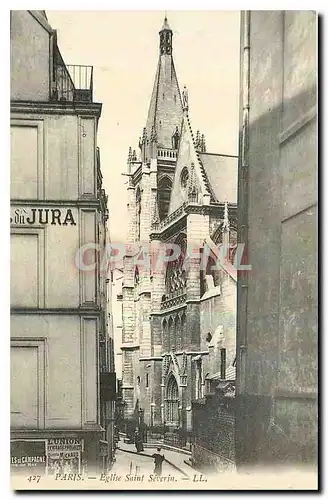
x=165 y=108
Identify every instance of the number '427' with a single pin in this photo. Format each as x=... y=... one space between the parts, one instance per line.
x=34 y=478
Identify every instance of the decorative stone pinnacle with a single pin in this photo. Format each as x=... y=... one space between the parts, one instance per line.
x=153 y=135
x=203 y=144
x=185 y=104
x=130 y=154
x=226 y=224
x=197 y=142
x=192 y=188
x=155 y=219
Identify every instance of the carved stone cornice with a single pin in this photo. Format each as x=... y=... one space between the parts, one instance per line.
x=57 y=108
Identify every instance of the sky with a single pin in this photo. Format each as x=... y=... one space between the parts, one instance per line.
x=123 y=48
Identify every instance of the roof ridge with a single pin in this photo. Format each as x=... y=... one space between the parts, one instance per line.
x=202 y=170
x=218 y=154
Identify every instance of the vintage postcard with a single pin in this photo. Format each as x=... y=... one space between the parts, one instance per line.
x=163 y=231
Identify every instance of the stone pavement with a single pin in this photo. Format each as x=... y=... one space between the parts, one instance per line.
x=174 y=458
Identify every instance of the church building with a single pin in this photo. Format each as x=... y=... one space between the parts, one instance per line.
x=179 y=314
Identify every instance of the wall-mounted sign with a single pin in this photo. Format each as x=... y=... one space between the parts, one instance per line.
x=28 y=216
x=28 y=457
x=64 y=455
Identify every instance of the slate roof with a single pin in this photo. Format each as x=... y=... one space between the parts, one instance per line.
x=221 y=173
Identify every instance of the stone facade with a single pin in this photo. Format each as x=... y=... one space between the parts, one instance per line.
x=171 y=202
x=61 y=331
x=277 y=360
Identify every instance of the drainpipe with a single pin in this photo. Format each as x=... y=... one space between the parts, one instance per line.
x=243 y=165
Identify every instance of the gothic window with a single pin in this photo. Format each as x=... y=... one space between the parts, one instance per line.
x=164 y=193
x=147 y=380
x=177 y=331
x=172 y=402
x=170 y=333
x=184 y=178
x=183 y=330
x=138 y=212
x=223 y=355
x=176 y=279
x=165 y=340
x=199 y=379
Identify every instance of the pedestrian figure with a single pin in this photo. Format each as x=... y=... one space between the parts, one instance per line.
x=158 y=461
x=138 y=441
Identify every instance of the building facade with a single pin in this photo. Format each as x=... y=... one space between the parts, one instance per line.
x=62 y=366
x=177 y=309
x=277 y=358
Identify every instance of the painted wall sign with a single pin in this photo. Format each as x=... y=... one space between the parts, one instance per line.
x=65 y=444
x=28 y=216
x=64 y=455
x=28 y=456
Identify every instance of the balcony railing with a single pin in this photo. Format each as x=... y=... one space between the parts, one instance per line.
x=173 y=300
x=72 y=82
x=167 y=154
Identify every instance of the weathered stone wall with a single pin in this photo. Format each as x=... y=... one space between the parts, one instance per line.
x=278 y=321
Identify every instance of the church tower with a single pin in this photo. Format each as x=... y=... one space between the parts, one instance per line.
x=150 y=178
x=178 y=194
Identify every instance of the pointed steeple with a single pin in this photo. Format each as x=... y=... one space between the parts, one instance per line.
x=165 y=108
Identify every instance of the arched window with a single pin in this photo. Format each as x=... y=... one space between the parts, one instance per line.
x=138 y=212
x=184 y=179
x=177 y=332
x=170 y=333
x=172 y=402
x=176 y=279
x=164 y=193
x=199 y=379
x=165 y=339
x=184 y=340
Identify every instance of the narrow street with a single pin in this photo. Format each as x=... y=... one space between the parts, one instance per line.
x=135 y=467
x=130 y=463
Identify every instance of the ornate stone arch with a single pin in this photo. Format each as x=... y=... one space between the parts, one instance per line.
x=172 y=401
x=164 y=188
